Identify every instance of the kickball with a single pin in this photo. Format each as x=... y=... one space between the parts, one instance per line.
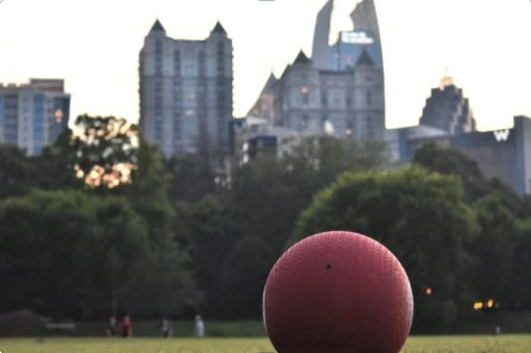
x=338 y=292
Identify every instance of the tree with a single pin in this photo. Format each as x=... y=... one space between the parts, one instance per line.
x=245 y=273
x=66 y=250
x=17 y=174
x=210 y=234
x=420 y=216
x=521 y=285
x=495 y=248
x=99 y=152
x=191 y=180
x=163 y=283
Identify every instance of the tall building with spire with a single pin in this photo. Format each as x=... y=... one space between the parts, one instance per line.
x=186 y=92
x=448 y=109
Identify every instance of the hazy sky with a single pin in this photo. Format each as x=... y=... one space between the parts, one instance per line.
x=94 y=45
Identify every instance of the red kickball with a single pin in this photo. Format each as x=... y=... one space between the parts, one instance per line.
x=338 y=292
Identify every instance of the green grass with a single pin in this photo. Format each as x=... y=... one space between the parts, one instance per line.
x=442 y=344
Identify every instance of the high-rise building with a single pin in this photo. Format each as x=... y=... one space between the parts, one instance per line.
x=321 y=35
x=32 y=115
x=447 y=109
x=364 y=18
x=186 y=92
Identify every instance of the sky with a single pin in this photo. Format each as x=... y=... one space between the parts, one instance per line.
x=94 y=46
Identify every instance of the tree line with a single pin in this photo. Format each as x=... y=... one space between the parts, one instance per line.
x=101 y=222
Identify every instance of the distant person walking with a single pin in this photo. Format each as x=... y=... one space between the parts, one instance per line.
x=166 y=328
x=199 y=327
x=127 y=327
x=111 y=327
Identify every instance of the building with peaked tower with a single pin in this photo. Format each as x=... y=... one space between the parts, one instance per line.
x=447 y=109
x=264 y=105
x=338 y=91
x=447 y=121
x=309 y=99
x=186 y=92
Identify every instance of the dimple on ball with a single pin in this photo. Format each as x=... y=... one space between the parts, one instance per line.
x=338 y=292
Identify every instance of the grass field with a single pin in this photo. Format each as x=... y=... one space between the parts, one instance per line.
x=442 y=344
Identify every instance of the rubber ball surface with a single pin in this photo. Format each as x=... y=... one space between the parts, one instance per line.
x=338 y=292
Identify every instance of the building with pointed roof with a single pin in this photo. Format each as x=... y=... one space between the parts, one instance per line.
x=264 y=106
x=448 y=109
x=186 y=92
x=307 y=98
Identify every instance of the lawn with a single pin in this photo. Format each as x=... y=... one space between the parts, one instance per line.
x=443 y=344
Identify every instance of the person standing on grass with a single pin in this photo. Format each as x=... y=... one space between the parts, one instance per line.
x=199 y=327
x=166 y=328
x=127 y=327
x=111 y=327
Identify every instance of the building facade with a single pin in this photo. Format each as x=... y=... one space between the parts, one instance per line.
x=503 y=154
x=264 y=106
x=186 y=92
x=32 y=115
x=350 y=101
x=364 y=18
x=448 y=109
x=321 y=35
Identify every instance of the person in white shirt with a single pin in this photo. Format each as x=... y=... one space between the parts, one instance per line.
x=199 y=327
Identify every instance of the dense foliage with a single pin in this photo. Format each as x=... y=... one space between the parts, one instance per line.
x=100 y=222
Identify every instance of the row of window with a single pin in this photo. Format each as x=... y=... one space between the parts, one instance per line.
x=305 y=98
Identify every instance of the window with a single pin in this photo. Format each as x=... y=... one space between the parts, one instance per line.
x=177 y=62
x=324 y=98
x=303 y=125
x=189 y=112
x=368 y=98
x=305 y=95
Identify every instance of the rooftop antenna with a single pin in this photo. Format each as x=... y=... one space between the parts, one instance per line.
x=447 y=80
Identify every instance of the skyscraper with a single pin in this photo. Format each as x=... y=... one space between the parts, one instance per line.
x=32 y=115
x=447 y=109
x=321 y=35
x=364 y=18
x=186 y=92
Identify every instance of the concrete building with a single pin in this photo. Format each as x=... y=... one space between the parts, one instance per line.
x=32 y=115
x=340 y=87
x=186 y=92
x=504 y=154
x=364 y=18
x=448 y=109
x=349 y=100
x=447 y=121
x=348 y=48
x=256 y=136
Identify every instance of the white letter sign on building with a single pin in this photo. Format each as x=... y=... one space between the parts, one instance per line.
x=501 y=135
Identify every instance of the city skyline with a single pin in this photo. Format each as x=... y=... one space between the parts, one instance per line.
x=96 y=51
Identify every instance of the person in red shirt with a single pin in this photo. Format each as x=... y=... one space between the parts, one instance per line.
x=127 y=327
